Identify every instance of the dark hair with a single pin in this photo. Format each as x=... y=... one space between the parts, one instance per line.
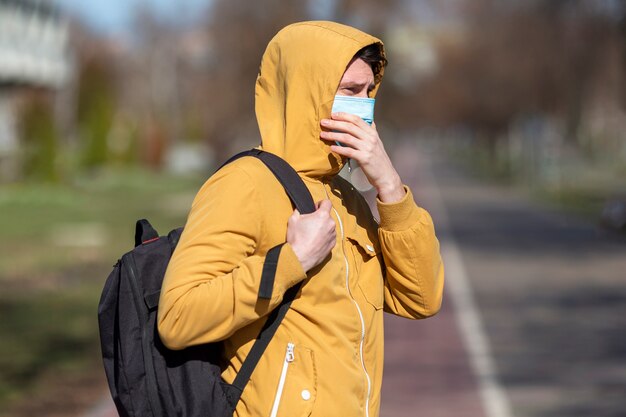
x=374 y=55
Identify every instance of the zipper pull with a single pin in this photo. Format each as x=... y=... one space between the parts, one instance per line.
x=290 y=355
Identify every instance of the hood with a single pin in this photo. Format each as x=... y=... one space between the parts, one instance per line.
x=299 y=75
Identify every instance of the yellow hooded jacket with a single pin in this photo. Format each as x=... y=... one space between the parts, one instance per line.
x=326 y=358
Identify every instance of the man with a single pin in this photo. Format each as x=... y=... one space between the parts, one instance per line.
x=327 y=355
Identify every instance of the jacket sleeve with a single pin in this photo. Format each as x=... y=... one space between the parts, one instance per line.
x=211 y=283
x=410 y=249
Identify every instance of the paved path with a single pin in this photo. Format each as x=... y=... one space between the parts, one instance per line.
x=429 y=368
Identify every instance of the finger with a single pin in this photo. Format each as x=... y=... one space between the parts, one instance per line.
x=319 y=203
x=348 y=117
x=346 y=151
x=295 y=213
x=344 y=138
x=344 y=127
x=325 y=206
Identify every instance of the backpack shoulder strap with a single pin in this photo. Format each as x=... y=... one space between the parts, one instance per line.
x=303 y=201
x=299 y=196
x=285 y=174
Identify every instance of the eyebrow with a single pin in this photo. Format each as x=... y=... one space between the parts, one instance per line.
x=352 y=84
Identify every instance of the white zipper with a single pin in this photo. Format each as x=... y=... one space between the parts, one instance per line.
x=358 y=309
x=289 y=357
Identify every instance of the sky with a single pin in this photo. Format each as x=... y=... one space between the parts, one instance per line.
x=116 y=16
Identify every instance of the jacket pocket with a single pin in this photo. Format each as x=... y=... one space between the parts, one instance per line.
x=368 y=263
x=297 y=386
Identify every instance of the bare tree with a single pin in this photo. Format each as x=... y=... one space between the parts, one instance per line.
x=240 y=32
x=518 y=58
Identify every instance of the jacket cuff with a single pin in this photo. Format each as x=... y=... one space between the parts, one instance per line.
x=399 y=215
x=289 y=270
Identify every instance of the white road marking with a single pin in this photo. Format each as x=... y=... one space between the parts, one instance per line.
x=475 y=340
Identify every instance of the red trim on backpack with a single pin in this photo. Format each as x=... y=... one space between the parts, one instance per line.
x=149 y=240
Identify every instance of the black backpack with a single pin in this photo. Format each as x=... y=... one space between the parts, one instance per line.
x=146 y=378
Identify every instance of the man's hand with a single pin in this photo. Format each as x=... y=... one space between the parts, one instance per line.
x=312 y=236
x=364 y=146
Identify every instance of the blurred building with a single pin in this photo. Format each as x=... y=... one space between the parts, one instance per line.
x=33 y=54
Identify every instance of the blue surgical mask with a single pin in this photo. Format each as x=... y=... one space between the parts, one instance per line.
x=360 y=106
